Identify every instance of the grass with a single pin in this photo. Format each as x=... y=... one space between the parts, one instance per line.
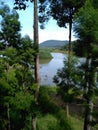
x=45 y=54
x=60 y=51
x=44 y=61
x=51 y=122
x=76 y=123
x=55 y=119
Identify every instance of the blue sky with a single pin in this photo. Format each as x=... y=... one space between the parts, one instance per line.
x=51 y=31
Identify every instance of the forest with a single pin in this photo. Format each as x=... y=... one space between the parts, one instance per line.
x=73 y=103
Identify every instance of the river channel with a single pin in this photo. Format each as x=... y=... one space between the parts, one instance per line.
x=49 y=69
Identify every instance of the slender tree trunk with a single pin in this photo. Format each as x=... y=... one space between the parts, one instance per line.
x=88 y=115
x=8 y=114
x=86 y=86
x=36 y=59
x=23 y=114
x=8 y=107
x=69 y=57
x=89 y=108
x=70 y=32
x=85 y=118
x=67 y=109
x=34 y=119
x=36 y=46
x=91 y=93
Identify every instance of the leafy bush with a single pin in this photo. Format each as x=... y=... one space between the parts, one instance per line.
x=48 y=122
x=52 y=122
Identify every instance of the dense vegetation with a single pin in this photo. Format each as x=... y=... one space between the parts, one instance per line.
x=45 y=53
x=76 y=94
x=16 y=74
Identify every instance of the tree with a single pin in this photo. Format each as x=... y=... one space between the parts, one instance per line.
x=62 y=11
x=67 y=91
x=86 y=28
x=24 y=72
x=22 y=5
x=10 y=26
x=16 y=77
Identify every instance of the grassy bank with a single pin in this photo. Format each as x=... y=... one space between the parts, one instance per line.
x=45 y=54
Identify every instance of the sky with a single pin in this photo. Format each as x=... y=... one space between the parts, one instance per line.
x=51 y=31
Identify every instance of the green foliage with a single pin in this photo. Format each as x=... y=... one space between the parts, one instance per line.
x=51 y=111
x=16 y=73
x=44 y=54
x=78 y=52
x=22 y=101
x=63 y=120
x=48 y=122
x=26 y=50
x=95 y=3
x=86 y=27
x=10 y=27
x=68 y=79
x=62 y=11
x=76 y=122
x=54 y=122
x=46 y=101
x=4 y=91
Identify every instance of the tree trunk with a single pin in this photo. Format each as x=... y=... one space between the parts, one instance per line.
x=88 y=116
x=89 y=86
x=67 y=109
x=34 y=119
x=70 y=32
x=36 y=60
x=69 y=57
x=8 y=115
x=85 y=118
x=36 y=46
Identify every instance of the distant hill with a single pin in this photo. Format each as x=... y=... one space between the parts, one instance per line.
x=53 y=44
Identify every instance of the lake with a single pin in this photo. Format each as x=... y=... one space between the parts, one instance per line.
x=49 y=69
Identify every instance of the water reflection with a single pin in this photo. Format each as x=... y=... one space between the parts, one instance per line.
x=48 y=70
x=44 y=61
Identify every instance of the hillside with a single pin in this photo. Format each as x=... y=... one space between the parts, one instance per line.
x=53 y=43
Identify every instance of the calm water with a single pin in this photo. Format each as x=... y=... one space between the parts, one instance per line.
x=48 y=70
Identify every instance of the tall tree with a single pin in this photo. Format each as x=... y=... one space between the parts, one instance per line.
x=62 y=11
x=9 y=37
x=21 y=4
x=87 y=29
x=10 y=26
x=16 y=77
x=67 y=91
x=36 y=46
